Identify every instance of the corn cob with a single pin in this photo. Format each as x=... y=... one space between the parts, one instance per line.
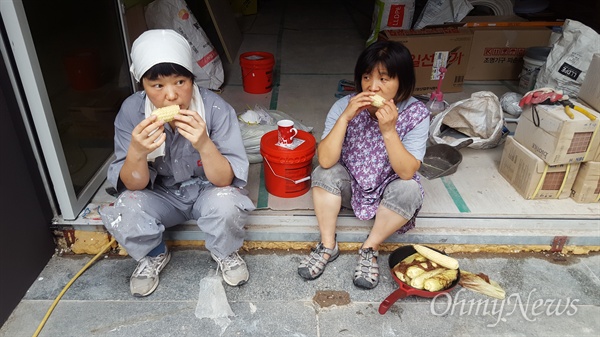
x=439 y=258
x=411 y=258
x=377 y=101
x=440 y=281
x=167 y=113
x=414 y=271
x=402 y=277
x=419 y=281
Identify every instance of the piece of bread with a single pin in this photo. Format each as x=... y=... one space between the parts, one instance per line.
x=378 y=101
x=167 y=113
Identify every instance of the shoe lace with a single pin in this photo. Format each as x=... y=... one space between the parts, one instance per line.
x=147 y=266
x=369 y=254
x=231 y=261
x=369 y=268
x=316 y=251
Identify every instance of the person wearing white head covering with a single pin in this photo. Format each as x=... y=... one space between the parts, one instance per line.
x=191 y=168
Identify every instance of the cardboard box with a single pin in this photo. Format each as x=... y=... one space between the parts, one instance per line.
x=589 y=91
x=556 y=138
x=532 y=177
x=497 y=52
x=586 y=187
x=428 y=47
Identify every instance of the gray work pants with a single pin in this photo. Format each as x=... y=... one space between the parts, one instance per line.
x=138 y=219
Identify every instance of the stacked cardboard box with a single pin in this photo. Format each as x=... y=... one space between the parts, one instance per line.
x=587 y=184
x=586 y=187
x=431 y=48
x=590 y=90
x=543 y=159
x=497 y=51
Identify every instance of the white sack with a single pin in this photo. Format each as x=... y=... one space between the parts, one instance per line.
x=479 y=118
x=175 y=14
x=569 y=59
x=391 y=15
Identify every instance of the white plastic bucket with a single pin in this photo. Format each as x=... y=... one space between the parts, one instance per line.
x=534 y=59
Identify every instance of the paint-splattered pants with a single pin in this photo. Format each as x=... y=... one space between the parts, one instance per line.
x=138 y=219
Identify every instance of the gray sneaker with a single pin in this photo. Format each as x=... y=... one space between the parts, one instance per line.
x=144 y=279
x=235 y=271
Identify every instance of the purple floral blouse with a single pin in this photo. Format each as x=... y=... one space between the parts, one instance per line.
x=365 y=157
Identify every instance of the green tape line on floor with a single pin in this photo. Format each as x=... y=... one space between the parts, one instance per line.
x=263 y=195
x=455 y=195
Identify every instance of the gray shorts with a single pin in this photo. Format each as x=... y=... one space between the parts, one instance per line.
x=401 y=196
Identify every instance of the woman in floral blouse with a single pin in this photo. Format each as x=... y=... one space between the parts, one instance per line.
x=368 y=159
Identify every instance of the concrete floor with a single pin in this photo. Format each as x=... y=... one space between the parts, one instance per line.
x=315 y=44
x=544 y=297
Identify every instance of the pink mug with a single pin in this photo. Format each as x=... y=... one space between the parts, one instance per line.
x=286 y=131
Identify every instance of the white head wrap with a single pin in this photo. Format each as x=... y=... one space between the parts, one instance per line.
x=159 y=46
x=163 y=46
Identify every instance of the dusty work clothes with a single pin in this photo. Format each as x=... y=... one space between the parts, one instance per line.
x=178 y=188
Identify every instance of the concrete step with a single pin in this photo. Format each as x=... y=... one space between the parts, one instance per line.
x=301 y=226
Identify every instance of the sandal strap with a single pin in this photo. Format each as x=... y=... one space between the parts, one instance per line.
x=367 y=268
x=316 y=261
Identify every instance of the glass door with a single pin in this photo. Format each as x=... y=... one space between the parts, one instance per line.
x=72 y=61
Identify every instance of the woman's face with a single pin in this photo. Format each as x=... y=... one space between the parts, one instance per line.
x=379 y=82
x=169 y=90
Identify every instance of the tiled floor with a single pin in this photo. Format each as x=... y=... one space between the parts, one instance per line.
x=315 y=44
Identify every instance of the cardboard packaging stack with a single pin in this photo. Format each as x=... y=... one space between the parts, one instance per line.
x=497 y=51
x=590 y=90
x=431 y=48
x=586 y=187
x=543 y=158
x=587 y=184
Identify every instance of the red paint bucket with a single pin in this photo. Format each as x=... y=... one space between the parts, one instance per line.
x=257 y=71
x=287 y=172
x=83 y=69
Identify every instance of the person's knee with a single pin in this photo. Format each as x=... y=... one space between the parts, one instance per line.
x=403 y=196
x=224 y=203
x=328 y=174
x=332 y=179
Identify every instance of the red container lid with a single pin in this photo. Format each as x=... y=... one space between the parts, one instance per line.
x=274 y=153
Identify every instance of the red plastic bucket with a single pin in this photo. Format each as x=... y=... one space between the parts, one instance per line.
x=83 y=69
x=257 y=71
x=287 y=172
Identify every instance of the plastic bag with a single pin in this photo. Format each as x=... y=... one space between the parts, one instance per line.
x=258 y=122
x=175 y=14
x=212 y=301
x=479 y=117
x=569 y=59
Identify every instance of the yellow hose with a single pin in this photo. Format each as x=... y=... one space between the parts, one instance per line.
x=43 y=322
